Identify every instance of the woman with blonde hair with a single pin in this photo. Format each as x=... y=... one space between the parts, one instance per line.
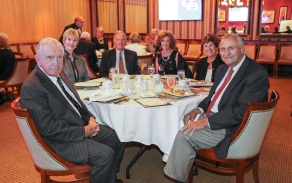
x=99 y=40
x=74 y=65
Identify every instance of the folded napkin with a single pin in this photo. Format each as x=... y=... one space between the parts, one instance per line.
x=98 y=96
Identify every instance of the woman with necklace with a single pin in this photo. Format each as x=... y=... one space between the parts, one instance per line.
x=99 y=40
x=74 y=65
x=169 y=58
x=207 y=66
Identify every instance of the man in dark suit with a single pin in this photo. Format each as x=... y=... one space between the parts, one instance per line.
x=63 y=120
x=126 y=61
x=77 y=25
x=85 y=46
x=221 y=113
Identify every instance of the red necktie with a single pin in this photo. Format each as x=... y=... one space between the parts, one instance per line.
x=227 y=79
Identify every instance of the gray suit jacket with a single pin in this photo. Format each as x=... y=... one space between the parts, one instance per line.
x=250 y=84
x=58 y=123
x=109 y=60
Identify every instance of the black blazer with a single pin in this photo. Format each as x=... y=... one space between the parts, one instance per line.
x=250 y=84
x=203 y=66
x=88 y=48
x=109 y=60
x=73 y=26
x=98 y=45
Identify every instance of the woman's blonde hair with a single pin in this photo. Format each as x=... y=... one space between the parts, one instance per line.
x=70 y=32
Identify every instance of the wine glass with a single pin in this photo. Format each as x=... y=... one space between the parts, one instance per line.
x=112 y=71
x=161 y=70
x=142 y=66
x=130 y=86
x=170 y=80
x=151 y=71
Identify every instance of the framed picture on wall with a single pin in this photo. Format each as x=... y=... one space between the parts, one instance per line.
x=222 y=16
x=282 y=13
x=268 y=16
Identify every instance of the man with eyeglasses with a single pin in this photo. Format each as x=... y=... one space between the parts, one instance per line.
x=237 y=82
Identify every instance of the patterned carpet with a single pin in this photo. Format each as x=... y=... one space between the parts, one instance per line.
x=275 y=161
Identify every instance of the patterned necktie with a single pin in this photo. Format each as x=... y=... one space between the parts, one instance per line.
x=76 y=74
x=121 y=64
x=84 y=115
x=227 y=79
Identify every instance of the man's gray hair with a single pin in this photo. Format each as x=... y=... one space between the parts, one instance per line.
x=85 y=35
x=236 y=37
x=39 y=49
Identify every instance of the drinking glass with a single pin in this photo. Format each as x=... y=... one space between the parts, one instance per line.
x=130 y=86
x=170 y=80
x=161 y=70
x=181 y=74
x=112 y=71
x=151 y=71
x=142 y=66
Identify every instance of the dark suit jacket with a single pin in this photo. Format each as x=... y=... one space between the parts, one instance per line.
x=109 y=60
x=250 y=84
x=58 y=123
x=88 y=48
x=7 y=63
x=203 y=66
x=67 y=27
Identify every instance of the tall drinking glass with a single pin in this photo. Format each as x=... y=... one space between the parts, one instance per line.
x=151 y=71
x=181 y=74
x=112 y=71
x=161 y=70
x=130 y=86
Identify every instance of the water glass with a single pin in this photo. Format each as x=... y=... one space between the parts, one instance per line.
x=161 y=70
x=112 y=71
x=181 y=74
x=130 y=86
x=151 y=71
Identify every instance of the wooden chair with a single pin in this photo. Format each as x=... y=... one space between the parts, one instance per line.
x=285 y=57
x=193 y=51
x=250 y=50
x=46 y=161
x=91 y=73
x=245 y=148
x=27 y=49
x=14 y=47
x=18 y=76
x=268 y=55
x=181 y=46
x=147 y=59
x=18 y=54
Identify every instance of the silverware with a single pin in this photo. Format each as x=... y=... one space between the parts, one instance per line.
x=122 y=101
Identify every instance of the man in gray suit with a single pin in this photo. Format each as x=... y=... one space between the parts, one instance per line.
x=63 y=120
x=222 y=111
x=119 y=57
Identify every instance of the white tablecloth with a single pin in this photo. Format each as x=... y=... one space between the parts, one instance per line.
x=133 y=122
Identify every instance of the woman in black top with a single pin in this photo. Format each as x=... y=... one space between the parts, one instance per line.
x=168 y=57
x=7 y=58
x=100 y=41
x=207 y=66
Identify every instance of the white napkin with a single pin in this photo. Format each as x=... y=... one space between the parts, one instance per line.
x=99 y=95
